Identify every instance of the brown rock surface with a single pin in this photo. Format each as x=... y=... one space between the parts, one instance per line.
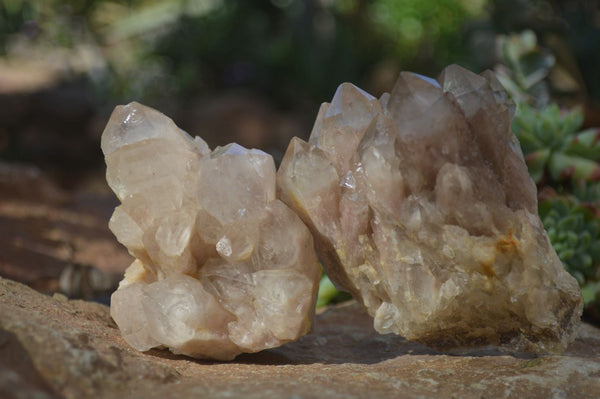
x=47 y=232
x=51 y=347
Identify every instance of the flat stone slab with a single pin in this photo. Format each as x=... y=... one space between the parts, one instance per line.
x=44 y=229
x=51 y=347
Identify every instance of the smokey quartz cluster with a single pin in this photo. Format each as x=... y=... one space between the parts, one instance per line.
x=222 y=267
x=421 y=206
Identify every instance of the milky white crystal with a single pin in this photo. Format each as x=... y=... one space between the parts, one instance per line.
x=421 y=206
x=222 y=267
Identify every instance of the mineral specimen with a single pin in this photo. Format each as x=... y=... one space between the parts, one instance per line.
x=421 y=206
x=222 y=267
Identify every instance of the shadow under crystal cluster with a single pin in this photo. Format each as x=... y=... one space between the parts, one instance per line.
x=222 y=267
x=421 y=206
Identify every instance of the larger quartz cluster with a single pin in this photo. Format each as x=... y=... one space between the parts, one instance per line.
x=222 y=267
x=421 y=206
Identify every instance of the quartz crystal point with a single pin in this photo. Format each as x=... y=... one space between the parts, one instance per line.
x=421 y=206
x=222 y=267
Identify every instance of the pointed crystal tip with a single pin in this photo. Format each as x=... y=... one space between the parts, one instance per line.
x=344 y=93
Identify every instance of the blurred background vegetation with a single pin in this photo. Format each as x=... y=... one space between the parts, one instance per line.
x=255 y=72
x=248 y=70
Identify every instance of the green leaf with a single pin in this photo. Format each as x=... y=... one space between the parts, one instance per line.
x=564 y=166
x=585 y=144
x=584 y=239
x=327 y=292
x=535 y=67
x=589 y=291
x=567 y=224
x=536 y=162
x=572 y=121
x=572 y=239
x=586 y=260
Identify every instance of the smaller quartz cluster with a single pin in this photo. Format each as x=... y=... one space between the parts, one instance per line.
x=421 y=206
x=222 y=267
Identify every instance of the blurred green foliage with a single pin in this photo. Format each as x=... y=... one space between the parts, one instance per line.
x=287 y=49
x=526 y=68
x=428 y=29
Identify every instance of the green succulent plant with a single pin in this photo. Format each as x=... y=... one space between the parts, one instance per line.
x=525 y=68
x=588 y=195
x=562 y=159
x=554 y=146
x=574 y=232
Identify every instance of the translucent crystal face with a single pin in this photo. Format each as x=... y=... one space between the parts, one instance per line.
x=422 y=207
x=222 y=267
